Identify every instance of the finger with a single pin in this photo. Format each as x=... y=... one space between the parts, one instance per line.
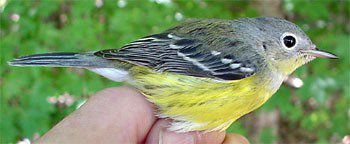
x=235 y=139
x=160 y=134
x=114 y=115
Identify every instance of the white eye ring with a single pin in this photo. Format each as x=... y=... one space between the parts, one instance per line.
x=282 y=40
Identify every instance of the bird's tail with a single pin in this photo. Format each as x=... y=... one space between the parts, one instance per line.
x=66 y=59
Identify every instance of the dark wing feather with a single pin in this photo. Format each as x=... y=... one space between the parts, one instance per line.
x=171 y=53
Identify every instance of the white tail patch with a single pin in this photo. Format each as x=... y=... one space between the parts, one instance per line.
x=113 y=74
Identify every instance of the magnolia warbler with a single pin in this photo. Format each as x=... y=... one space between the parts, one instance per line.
x=203 y=74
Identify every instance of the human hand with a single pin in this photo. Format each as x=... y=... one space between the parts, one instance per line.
x=123 y=115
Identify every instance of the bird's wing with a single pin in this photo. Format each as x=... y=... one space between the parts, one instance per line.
x=167 y=52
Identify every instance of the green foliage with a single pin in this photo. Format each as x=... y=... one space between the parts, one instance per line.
x=267 y=136
x=320 y=108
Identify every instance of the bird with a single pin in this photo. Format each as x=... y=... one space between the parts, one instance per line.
x=203 y=74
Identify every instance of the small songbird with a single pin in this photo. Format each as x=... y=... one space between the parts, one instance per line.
x=203 y=74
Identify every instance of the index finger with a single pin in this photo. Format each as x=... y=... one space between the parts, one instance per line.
x=113 y=115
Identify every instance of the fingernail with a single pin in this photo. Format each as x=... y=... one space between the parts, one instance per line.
x=167 y=137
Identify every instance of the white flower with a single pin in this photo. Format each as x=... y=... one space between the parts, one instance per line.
x=98 y=3
x=178 y=16
x=15 y=17
x=121 y=3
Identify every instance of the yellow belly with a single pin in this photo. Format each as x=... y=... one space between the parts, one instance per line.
x=199 y=103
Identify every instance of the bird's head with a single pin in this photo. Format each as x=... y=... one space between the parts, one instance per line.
x=286 y=46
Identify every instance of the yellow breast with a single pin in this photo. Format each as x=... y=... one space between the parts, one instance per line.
x=199 y=103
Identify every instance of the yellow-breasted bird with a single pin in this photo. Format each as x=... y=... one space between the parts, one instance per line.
x=203 y=74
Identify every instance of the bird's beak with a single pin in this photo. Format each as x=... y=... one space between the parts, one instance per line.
x=319 y=53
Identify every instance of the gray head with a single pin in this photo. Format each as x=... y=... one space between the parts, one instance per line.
x=286 y=46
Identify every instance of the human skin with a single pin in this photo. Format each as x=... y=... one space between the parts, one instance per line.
x=123 y=115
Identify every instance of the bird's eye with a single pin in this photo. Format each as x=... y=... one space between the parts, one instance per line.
x=289 y=40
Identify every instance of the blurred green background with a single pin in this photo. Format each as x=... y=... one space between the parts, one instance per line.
x=35 y=99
